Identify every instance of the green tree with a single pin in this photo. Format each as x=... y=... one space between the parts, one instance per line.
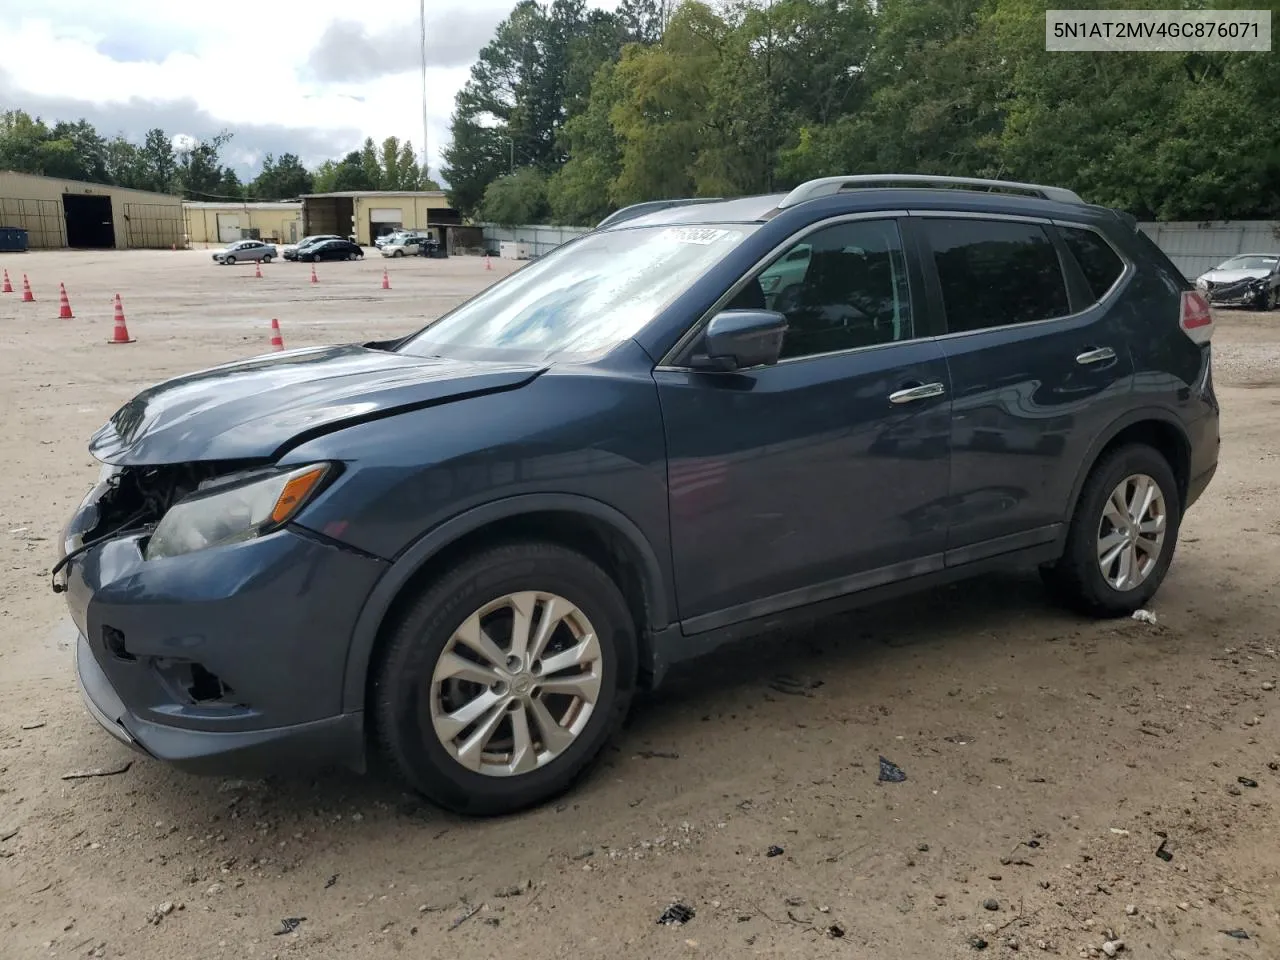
x=159 y=163
x=519 y=198
x=200 y=175
x=352 y=174
x=281 y=179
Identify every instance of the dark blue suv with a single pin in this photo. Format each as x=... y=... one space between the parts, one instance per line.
x=464 y=550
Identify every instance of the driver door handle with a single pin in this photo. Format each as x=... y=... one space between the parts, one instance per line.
x=923 y=392
x=1096 y=356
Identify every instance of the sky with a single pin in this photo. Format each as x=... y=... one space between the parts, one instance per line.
x=312 y=79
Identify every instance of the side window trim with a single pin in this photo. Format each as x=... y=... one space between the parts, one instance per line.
x=933 y=286
x=1079 y=297
x=677 y=358
x=1127 y=268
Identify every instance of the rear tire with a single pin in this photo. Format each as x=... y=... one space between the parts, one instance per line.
x=422 y=684
x=1099 y=532
x=266 y=259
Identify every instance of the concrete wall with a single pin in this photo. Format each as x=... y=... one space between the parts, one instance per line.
x=541 y=239
x=275 y=222
x=1197 y=247
x=34 y=204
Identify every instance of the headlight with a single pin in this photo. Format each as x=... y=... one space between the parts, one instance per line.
x=231 y=511
x=1202 y=283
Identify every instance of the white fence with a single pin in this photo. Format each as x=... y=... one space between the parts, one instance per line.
x=1197 y=247
x=540 y=239
x=1193 y=247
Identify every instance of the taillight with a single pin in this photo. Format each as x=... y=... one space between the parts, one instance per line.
x=1197 y=316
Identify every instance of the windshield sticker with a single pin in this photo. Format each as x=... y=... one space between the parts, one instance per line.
x=699 y=235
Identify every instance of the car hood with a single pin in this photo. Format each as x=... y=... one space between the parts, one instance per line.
x=254 y=409
x=1233 y=276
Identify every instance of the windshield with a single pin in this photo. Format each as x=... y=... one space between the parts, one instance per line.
x=1250 y=263
x=582 y=298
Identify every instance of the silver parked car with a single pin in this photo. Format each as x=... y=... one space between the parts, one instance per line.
x=1247 y=280
x=245 y=250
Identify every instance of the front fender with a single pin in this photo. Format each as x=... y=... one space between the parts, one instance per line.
x=659 y=589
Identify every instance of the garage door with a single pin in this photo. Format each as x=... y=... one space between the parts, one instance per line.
x=386 y=215
x=228 y=227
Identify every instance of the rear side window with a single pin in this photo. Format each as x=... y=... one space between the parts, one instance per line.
x=1100 y=264
x=995 y=273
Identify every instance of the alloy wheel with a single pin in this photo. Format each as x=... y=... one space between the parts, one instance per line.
x=1131 y=532
x=516 y=684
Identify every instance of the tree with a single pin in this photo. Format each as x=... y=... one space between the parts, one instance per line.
x=642 y=20
x=282 y=179
x=517 y=198
x=323 y=179
x=352 y=174
x=199 y=174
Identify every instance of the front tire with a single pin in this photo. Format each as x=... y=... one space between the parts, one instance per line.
x=1122 y=536
x=504 y=680
x=229 y=261
x=266 y=259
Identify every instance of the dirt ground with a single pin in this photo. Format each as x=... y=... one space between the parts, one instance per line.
x=1045 y=755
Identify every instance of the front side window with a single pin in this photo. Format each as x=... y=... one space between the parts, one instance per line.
x=844 y=287
x=582 y=298
x=996 y=272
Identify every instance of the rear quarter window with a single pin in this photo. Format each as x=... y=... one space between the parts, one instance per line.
x=1098 y=261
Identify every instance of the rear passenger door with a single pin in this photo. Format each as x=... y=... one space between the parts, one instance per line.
x=1039 y=364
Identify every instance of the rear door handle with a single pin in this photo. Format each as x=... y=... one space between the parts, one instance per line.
x=922 y=392
x=1096 y=356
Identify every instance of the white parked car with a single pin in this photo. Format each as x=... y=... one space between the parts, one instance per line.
x=404 y=244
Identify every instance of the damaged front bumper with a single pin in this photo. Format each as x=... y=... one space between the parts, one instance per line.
x=226 y=660
x=1242 y=293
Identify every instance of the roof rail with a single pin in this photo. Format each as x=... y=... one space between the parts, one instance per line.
x=649 y=206
x=828 y=186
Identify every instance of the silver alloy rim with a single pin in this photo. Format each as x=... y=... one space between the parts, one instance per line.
x=1131 y=532
x=516 y=684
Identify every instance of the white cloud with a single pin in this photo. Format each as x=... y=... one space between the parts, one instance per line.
x=194 y=69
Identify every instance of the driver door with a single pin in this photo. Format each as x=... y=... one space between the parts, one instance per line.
x=828 y=472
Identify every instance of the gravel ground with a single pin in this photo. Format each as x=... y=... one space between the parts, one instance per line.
x=1047 y=757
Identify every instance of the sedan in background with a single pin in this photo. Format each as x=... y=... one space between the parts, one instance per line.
x=331 y=250
x=1248 y=280
x=407 y=245
x=291 y=252
x=245 y=251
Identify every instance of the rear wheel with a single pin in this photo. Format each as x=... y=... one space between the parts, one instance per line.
x=505 y=678
x=1269 y=300
x=266 y=259
x=1122 y=537
x=351 y=256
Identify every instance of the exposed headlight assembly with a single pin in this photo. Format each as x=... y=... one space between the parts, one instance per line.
x=233 y=509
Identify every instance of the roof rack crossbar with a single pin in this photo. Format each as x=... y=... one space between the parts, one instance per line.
x=827 y=186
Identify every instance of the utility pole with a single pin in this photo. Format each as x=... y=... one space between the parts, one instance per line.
x=422 y=19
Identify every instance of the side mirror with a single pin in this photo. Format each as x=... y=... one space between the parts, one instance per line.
x=739 y=339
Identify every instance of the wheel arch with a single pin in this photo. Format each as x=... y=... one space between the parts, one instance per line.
x=593 y=528
x=1156 y=427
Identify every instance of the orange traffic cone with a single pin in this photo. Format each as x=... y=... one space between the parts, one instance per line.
x=487 y=264
x=64 y=305
x=314 y=278
x=27 y=295
x=121 y=332
x=257 y=269
x=8 y=287
x=386 y=280
x=277 y=341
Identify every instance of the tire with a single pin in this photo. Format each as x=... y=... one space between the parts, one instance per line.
x=1077 y=577
x=406 y=690
x=229 y=261
x=397 y=253
x=1269 y=300
x=351 y=256
x=266 y=259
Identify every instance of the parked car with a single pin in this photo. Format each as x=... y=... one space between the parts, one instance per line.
x=331 y=250
x=465 y=549
x=291 y=252
x=1249 y=280
x=246 y=251
x=408 y=245
x=383 y=239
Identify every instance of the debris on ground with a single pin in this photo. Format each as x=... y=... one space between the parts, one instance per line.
x=835 y=931
x=1266 y=685
x=658 y=755
x=795 y=686
x=159 y=913
x=774 y=851
x=1246 y=782
x=98 y=772
x=465 y=916
x=515 y=890
x=331 y=881
x=1237 y=934
x=288 y=925
x=584 y=853
x=990 y=904
x=977 y=943
x=8 y=834
x=959 y=739
x=34 y=725
x=676 y=915
x=1162 y=853
x=1145 y=616
x=1112 y=947
x=890 y=772
x=1131 y=910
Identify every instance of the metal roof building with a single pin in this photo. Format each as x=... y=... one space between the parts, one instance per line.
x=60 y=213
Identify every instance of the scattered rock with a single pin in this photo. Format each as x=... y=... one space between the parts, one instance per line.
x=514 y=890
x=1145 y=616
x=835 y=931
x=1246 y=782
x=34 y=725
x=994 y=876
x=288 y=925
x=774 y=851
x=1012 y=943
x=214 y=889
x=1112 y=947
x=1131 y=910
x=584 y=853
x=1184 y=906
x=890 y=772
x=492 y=921
x=1268 y=685
x=922 y=847
x=676 y=915
x=1237 y=934
x=991 y=904
x=977 y=943
x=331 y=881
x=1042 y=944
x=1233 y=790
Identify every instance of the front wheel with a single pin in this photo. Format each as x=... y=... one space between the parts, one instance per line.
x=229 y=261
x=504 y=680
x=1269 y=299
x=266 y=259
x=1122 y=536
x=396 y=253
x=351 y=256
